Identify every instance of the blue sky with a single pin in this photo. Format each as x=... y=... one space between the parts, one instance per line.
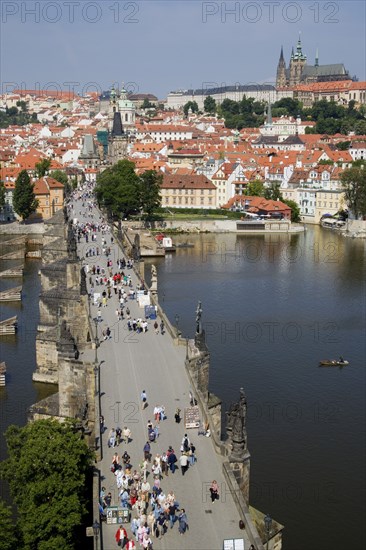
x=159 y=46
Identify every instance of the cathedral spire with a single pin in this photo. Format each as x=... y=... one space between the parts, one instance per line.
x=317 y=58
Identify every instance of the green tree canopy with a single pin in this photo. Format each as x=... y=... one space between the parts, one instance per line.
x=255 y=189
x=354 y=184
x=149 y=190
x=147 y=104
x=42 y=167
x=209 y=105
x=295 y=210
x=292 y=107
x=2 y=195
x=8 y=538
x=117 y=189
x=46 y=470
x=60 y=176
x=193 y=105
x=24 y=199
x=273 y=191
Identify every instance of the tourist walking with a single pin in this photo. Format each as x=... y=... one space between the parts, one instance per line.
x=183 y=461
x=183 y=521
x=143 y=400
x=121 y=537
x=214 y=490
x=172 y=459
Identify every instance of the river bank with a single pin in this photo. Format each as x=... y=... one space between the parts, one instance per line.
x=16 y=228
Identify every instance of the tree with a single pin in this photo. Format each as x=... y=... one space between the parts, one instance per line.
x=209 y=105
x=147 y=104
x=24 y=199
x=42 y=167
x=193 y=105
x=47 y=469
x=2 y=195
x=149 y=189
x=255 y=189
x=60 y=176
x=273 y=191
x=22 y=104
x=295 y=210
x=8 y=539
x=292 y=107
x=118 y=189
x=354 y=184
x=343 y=145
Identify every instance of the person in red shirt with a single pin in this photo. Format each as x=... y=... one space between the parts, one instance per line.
x=121 y=536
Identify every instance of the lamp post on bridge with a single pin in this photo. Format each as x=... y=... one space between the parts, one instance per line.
x=96 y=341
x=177 y=324
x=96 y=528
x=268 y=524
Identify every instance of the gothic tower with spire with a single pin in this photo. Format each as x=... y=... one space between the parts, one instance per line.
x=297 y=64
x=281 y=71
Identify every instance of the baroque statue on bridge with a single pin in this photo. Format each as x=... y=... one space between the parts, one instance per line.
x=236 y=428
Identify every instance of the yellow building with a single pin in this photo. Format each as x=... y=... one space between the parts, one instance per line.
x=187 y=191
x=329 y=202
x=50 y=195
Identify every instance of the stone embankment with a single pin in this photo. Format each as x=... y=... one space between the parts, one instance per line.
x=17 y=228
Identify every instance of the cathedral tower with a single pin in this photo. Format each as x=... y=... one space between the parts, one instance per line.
x=281 y=71
x=297 y=64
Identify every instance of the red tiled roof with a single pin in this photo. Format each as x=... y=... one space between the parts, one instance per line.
x=192 y=181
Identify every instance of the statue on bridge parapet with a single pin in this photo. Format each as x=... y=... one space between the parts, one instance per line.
x=198 y=318
x=71 y=242
x=200 y=339
x=154 y=282
x=236 y=429
x=83 y=286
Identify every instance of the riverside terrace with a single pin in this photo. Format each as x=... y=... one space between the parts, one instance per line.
x=130 y=362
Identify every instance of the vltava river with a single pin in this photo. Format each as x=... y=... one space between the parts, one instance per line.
x=272 y=308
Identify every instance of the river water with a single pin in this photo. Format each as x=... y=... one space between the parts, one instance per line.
x=272 y=308
x=18 y=351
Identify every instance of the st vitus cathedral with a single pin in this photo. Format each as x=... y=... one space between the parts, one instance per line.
x=299 y=72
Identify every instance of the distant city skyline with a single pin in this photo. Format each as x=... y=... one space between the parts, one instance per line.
x=161 y=46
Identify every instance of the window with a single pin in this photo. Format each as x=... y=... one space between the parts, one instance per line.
x=202 y=200
x=180 y=200
x=174 y=191
x=167 y=200
x=186 y=200
x=186 y=191
x=174 y=200
x=192 y=191
x=202 y=191
x=192 y=200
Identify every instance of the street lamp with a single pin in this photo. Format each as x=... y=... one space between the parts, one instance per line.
x=96 y=341
x=177 y=323
x=96 y=528
x=268 y=524
x=187 y=341
x=96 y=378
